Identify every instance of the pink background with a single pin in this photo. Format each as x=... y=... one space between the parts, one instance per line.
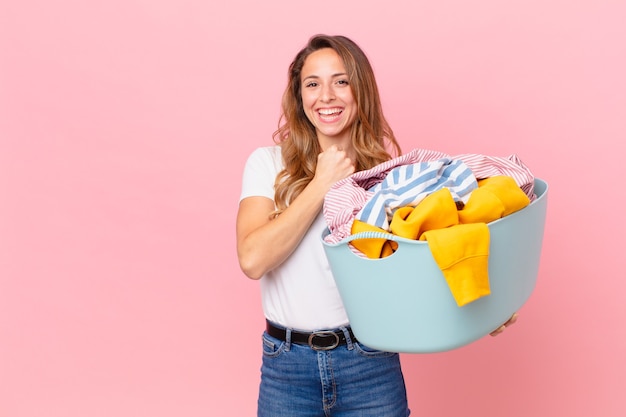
x=124 y=126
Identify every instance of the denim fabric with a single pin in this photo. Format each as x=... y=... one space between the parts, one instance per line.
x=348 y=381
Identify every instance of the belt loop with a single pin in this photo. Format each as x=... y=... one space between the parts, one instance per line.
x=349 y=341
x=287 y=339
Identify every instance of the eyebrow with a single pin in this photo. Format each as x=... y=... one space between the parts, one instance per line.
x=340 y=74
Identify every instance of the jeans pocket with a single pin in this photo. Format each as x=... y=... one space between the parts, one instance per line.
x=272 y=347
x=371 y=352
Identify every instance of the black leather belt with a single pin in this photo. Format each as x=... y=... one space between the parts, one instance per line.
x=319 y=340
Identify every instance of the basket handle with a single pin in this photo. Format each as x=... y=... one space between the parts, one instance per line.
x=376 y=235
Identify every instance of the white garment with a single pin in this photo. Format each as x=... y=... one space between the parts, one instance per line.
x=300 y=293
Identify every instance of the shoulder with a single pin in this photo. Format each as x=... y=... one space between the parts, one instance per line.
x=268 y=156
x=260 y=172
x=266 y=152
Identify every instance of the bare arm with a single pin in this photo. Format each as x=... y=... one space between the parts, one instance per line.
x=263 y=244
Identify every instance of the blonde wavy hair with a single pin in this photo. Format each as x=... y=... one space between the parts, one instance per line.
x=371 y=134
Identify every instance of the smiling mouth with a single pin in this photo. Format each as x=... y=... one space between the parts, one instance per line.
x=330 y=115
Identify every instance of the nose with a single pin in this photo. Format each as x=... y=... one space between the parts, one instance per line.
x=328 y=94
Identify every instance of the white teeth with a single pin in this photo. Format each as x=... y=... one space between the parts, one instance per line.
x=328 y=112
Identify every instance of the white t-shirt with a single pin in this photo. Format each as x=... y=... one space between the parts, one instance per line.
x=300 y=293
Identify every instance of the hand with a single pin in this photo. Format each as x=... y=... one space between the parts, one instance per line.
x=509 y=322
x=333 y=164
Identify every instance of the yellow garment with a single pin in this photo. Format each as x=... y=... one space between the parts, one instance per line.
x=462 y=254
x=494 y=198
x=436 y=211
x=460 y=251
x=372 y=247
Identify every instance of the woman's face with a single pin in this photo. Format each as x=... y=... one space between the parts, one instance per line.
x=327 y=97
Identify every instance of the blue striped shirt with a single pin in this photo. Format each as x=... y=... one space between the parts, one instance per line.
x=407 y=185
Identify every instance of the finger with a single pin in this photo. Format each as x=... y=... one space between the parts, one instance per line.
x=512 y=320
x=498 y=330
x=509 y=322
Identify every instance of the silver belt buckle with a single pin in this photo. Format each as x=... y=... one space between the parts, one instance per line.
x=325 y=334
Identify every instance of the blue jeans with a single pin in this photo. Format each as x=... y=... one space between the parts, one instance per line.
x=348 y=381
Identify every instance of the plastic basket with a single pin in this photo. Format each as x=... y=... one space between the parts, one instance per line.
x=402 y=303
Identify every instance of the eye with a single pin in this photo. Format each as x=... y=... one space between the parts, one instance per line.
x=311 y=84
x=343 y=82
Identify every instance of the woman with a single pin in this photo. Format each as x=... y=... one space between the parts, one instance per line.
x=333 y=125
